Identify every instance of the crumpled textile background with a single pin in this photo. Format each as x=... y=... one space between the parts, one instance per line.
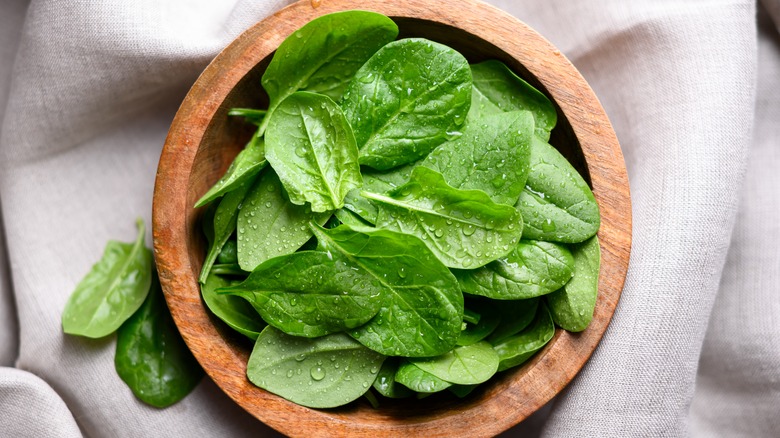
x=88 y=91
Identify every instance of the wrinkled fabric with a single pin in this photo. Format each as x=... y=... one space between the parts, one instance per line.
x=89 y=89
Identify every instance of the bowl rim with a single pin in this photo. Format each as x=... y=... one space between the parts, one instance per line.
x=525 y=389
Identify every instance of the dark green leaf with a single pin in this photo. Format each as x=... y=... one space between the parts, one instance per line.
x=462 y=390
x=517 y=349
x=385 y=383
x=112 y=291
x=464 y=365
x=310 y=145
x=411 y=96
x=489 y=319
x=319 y=373
x=418 y=380
x=152 y=358
x=235 y=311
x=515 y=317
x=229 y=253
x=572 y=306
x=465 y=229
x=244 y=167
x=224 y=224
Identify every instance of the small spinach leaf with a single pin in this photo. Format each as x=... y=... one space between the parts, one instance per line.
x=323 y=55
x=151 y=357
x=492 y=155
x=532 y=269
x=414 y=378
x=572 y=306
x=465 y=229
x=234 y=311
x=497 y=88
x=517 y=349
x=112 y=291
x=557 y=204
x=411 y=96
x=246 y=165
x=515 y=316
x=310 y=145
x=385 y=383
x=323 y=372
x=254 y=116
x=224 y=224
x=464 y=365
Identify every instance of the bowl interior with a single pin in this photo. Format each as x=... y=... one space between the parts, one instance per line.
x=204 y=140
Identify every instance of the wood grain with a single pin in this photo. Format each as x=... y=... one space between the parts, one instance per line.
x=203 y=140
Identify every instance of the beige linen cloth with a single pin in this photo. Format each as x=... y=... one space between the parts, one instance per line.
x=88 y=91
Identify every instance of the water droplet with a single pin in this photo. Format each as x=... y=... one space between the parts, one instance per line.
x=317 y=373
x=290 y=373
x=300 y=357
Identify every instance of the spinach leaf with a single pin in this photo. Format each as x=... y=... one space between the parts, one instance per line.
x=246 y=165
x=557 y=204
x=465 y=229
x=572 y=306
x=487 y=323
x=422 y=308
x=376 y=182
x=310 y=145
x=254 y=116
x=311 y=293
x=385 y=383
x=229 y=253
x=462 y=390
x=515 y=316
x=151 y=357
x=464 y=365
x=112 y=291
x=318 y=373
x=414 y=378
x=224 y=224
x=323 y=55
x=411 y=96
x=269 y=226
x=517 y=349
x=532 y=269
x=234 y=311
x=347 y=217
x=492 y=155
x=497 y=88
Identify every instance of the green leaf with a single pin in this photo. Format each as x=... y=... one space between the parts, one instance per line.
x=411 y=96
x=234 y=311
x=496 y=89
x=229 y=253
x=515 y=317
x=492 y=155
x=464 y=365
x=557 y=204
x=385 y=383
x=517 y=349
x=318 y=373
x=532 y=269
x=422 y=308
x=350 y=218
x=489 y=319
x=572 y=306
x=311 y=147
x=224 y=224
x=311 y=293
x=244 y=167
x=269 y=226
x=254 y=116
x=414 y=378
x=323 y=55
x=152 y=358
x=112 y=291
x=465 y=229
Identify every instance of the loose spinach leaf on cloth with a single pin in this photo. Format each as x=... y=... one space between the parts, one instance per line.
x=465 y=229
x=464 y=365
x=311 y=293
x=224 y=224
x=311 y=147
x=497 y=89
x=151 y=357
x=414 y=378
x=323 y=372
x=246 y=165
x=411 y=96
x=557 y=204
x=112 y=291
x=532 y=269
x=269 y=225
x=323 y=55
x=234 y=311
x=518 y=348
x=572 y=306
x=492 y=155
x=422 y=308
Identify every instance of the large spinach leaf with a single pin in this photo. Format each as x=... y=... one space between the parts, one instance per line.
x=572 y=306
x=319 y=373
x=464 y=365
x=269 y=226
x=234 y=311
x=422 y=307
x=492 y=155
x=310 y=145
x=532 y=269
x=517 y=349
x=411 y=96
x=557 y=204
x=112 y=291
x=247 y=164
x=223 y=225
x=497 y=88
x=465 y=229
x=323 y=55
x=151 y=356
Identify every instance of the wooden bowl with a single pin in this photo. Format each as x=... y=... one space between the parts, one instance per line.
x=203 y=140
